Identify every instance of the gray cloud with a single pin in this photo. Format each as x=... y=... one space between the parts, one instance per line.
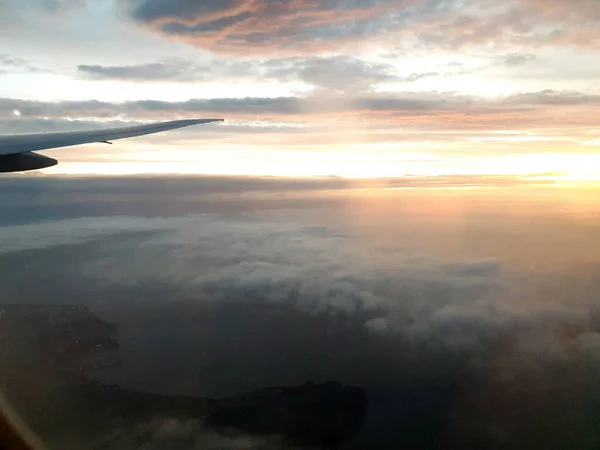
x=11 y=63
x=518 y=59
x=556 y=98
x=419 y=76
x=158 y=9
x=253 y=107
x=8 y=60
x=409 y=103
x=345 y=73
x=332 y=73
x=427 y=110
x=517 y=23
x=265 y=27
x=176 y=70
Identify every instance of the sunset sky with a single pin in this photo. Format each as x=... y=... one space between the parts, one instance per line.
x=353 y=88
x=403 y=199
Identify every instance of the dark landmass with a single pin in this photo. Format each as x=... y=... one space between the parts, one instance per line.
x=46 y=352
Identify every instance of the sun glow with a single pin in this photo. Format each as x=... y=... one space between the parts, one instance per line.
x=246 y=160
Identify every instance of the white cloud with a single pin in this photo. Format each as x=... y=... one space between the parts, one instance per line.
x=319 y=269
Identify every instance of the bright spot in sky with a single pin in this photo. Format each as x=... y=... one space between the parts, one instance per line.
x=16 y=112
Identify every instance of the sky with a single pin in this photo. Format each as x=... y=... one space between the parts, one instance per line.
x=402 y=197
x=351 y=88
x=470 y=317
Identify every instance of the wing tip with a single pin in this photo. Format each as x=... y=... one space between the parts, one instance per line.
x=201 y=121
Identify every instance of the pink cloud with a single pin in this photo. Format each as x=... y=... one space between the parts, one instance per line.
x=267 y=27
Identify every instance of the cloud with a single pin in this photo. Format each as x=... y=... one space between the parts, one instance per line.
x=250 y=280
x=427 y=111
x=529 y=23
x=27 y=198
x=345 y=73
x=179 y=70
x=555 y=98
x=148 y=72
x=518 y=59
x=11 y=64
x=313 y=267
x=438 y=343
x=337 y=73
x=241 y=107
x=58 y=233
x=417 y=103
x=212 y=10
x=265 y=27
x=419 y=76
x=13 y=61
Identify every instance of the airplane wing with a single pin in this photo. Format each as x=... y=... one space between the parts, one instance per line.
x=16 y=150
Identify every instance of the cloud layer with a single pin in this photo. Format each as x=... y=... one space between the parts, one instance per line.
x=545 y=121
x=209 y=302
x=336 y=73
x=316 y=268
x=447 y=108
x=266 y=27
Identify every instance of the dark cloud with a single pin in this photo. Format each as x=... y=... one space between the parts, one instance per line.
x=267 y=26
x=264 y=26
x=209 y=9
